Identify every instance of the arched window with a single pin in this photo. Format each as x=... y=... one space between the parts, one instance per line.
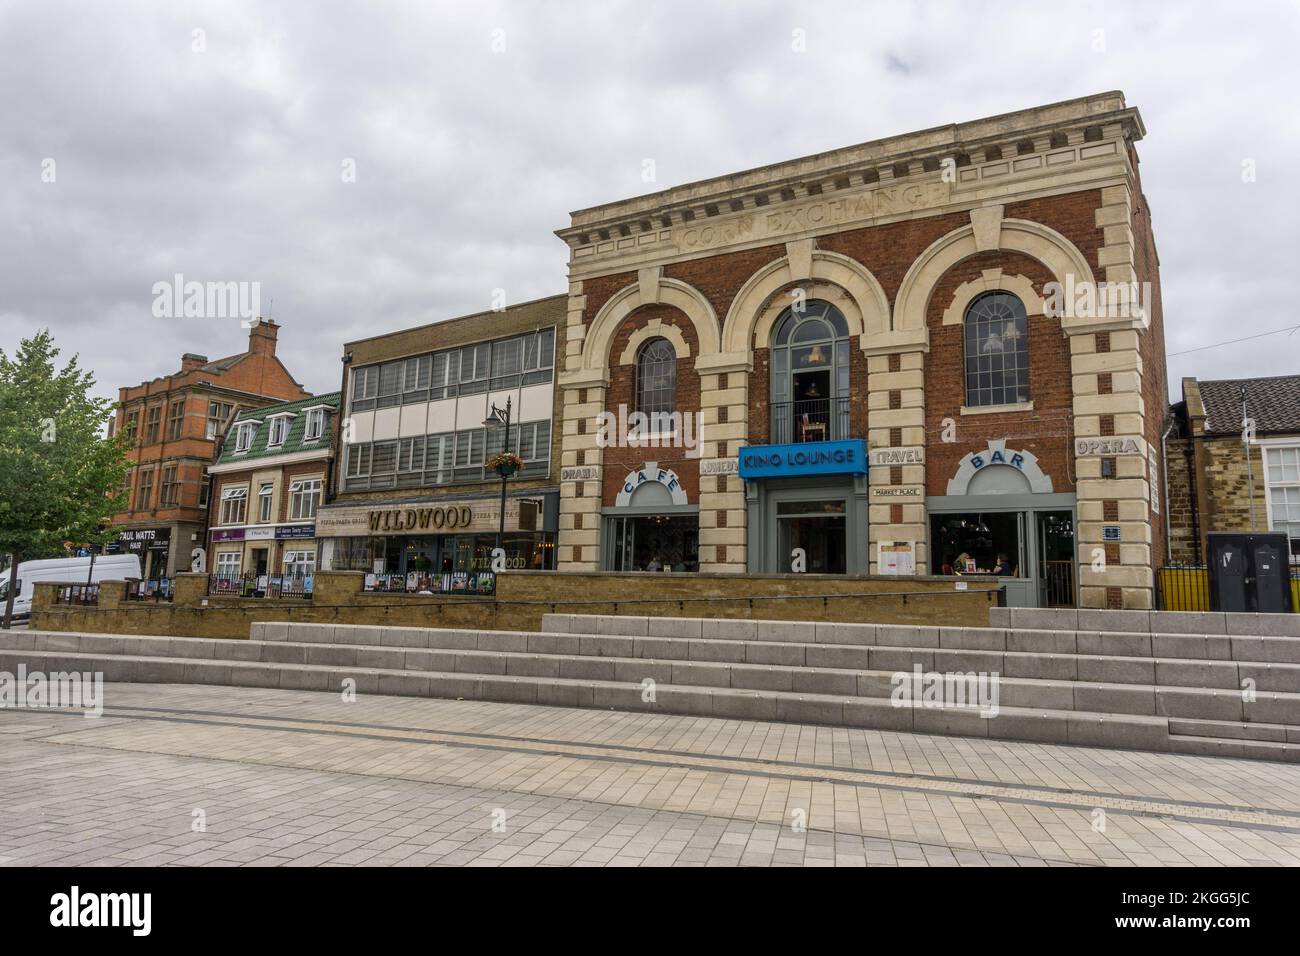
x=656 y=378
x=997 y=351
x=809 y=394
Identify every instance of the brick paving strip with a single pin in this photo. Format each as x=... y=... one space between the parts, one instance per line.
x=880 y=797
x=549 y=748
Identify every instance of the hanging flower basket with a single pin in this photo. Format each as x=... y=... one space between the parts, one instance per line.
x=505 y=464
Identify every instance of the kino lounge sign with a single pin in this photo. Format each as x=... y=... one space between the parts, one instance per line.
x=848 y=457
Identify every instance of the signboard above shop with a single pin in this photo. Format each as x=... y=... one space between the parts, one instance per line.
x=446 y=517
x=847 y=457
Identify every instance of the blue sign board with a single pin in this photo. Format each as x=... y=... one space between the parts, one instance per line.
x=848 y=457
x=295 y=531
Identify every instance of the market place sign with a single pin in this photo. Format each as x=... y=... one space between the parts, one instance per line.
x=896 y=493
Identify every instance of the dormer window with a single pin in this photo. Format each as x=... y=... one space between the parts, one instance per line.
x=314 y=427
x=244 y=432
x=279 y=430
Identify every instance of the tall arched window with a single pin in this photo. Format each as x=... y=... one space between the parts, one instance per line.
x=997 y=351
x=656 y=378
x=809 y=396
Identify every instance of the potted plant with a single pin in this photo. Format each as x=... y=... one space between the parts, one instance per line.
x=505 y=464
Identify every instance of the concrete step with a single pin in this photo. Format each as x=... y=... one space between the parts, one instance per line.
x=1150 y=622
x=1235 y=730
x=1175 y=646
x=574 y=657
x=1239 y=748
x=1011 y=723
x=562 y=657
x=737 y=648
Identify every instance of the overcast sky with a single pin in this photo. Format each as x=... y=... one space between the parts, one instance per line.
x=474 y=129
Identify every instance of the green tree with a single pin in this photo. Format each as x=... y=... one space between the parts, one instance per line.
x=61 y=477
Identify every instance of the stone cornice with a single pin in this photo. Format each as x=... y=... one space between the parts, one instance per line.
x=1018 y=146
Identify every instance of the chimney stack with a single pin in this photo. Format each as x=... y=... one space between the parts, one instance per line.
x=261 y=337
x=191 y=361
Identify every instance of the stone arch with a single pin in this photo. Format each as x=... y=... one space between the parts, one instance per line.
x=652 y=290
x=988 y=231
x=1001 y=460
x=654 y=329
x=865 y=308
x=992 y=280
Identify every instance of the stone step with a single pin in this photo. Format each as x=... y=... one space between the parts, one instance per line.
x=1234 y=730
x=1281 y=650
x=1238 y=748
x=496 y=653
x=1043 y=725
x=737 y=649
x=1150 y=622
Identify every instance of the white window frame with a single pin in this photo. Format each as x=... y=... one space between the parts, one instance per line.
x=314 y=427
x=279 y=430
x=293 y=560
x=228 y=564
x=304 y=498
x=233 y=493
x=244 y=434
x=1267 y=449
x=265 y=502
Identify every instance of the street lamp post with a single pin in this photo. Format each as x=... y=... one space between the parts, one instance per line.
x=501 y=416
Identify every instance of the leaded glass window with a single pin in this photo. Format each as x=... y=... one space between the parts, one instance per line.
x=997 y=351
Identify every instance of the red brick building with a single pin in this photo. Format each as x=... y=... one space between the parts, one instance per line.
x=938 y=352
x=176 y=421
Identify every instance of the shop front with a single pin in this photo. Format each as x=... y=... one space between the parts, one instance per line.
x=151 y=545
x=806 y=506
x=438 y=545
x=1001 y=518
x=652 y=525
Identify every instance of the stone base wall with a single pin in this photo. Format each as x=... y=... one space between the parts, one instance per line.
x=524 y=596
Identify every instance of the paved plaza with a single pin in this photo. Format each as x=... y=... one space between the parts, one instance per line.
x=202 y=775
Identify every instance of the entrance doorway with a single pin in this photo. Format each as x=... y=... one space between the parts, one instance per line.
x=1029 y=548
x=663 y=542
x=818 y=529
x=1056 y=559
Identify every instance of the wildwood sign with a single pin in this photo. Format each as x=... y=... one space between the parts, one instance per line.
x=451 y=518
x=421 y=519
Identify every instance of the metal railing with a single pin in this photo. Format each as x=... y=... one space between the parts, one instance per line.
x=1186 y=587
x=1058 y=583
x=84 y=595
x=156 y=591
x=423 y=582
x=250 y=585
x=810 y=419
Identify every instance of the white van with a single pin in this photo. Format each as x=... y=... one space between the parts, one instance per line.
x=108 y=567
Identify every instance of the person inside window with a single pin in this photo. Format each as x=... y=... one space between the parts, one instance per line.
x=655 y=564
x=965 y=563
x=1004 y=568
x=946 y=567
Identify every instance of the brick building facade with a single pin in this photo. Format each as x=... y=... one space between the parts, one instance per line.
x=273 y=471
x=416 y=503
x=176 y=421
x=937 y=352
x=1213 y=484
